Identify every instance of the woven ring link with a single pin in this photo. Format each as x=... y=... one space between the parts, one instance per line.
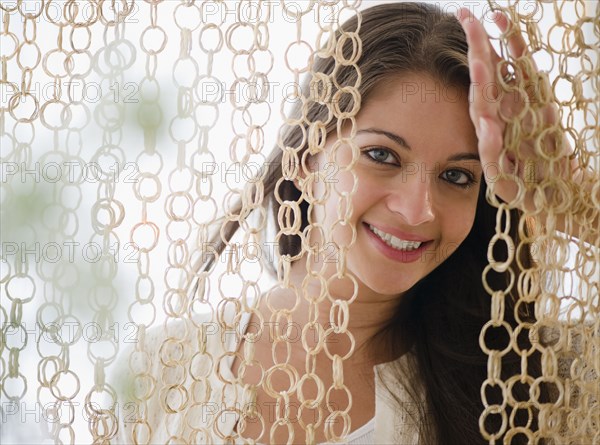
x=508 y=77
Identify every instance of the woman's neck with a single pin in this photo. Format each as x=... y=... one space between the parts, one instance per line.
x=366 y=315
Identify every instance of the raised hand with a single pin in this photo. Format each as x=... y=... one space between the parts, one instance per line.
x=531 y=178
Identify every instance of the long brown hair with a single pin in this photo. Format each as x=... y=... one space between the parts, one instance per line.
x=443 y=313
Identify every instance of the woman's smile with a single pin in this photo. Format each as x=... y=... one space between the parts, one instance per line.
x=407 y=249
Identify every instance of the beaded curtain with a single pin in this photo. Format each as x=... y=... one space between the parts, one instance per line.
x=129 y=131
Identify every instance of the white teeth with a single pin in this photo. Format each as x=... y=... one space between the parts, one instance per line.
x=394 y=242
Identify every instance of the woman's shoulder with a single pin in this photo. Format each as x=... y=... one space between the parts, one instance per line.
x=402 y=412
x=151 y=364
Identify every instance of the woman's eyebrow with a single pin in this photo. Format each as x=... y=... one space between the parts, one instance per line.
x=464 y=157
x=393 y=136
x=402 y=143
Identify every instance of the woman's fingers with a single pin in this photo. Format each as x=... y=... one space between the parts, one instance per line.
x=484 y=104
x=517 y=46
x=481 y=70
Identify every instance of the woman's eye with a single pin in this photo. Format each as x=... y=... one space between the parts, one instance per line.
x=455 y=177
x=458 y=177
x=379 y=155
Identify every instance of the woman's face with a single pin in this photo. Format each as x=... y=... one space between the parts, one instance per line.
x=424 y=192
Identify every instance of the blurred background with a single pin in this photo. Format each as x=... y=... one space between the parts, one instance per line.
x=73 y=253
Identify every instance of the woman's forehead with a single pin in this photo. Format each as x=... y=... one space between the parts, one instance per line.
x=415 y=86
x=419 y=112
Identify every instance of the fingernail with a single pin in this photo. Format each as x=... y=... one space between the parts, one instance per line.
x=463 y=15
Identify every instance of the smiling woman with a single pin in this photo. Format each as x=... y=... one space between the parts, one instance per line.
x=421 y=233
x=410 y=218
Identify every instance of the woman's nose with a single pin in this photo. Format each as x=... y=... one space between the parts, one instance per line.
x=412 y=200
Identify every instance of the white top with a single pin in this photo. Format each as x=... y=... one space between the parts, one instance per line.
x=392 y=423
x=395 y=421
x=363 y=435
x=360 y=436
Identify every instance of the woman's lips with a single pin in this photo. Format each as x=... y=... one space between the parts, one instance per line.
x=398 y=234
x=403 y=256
